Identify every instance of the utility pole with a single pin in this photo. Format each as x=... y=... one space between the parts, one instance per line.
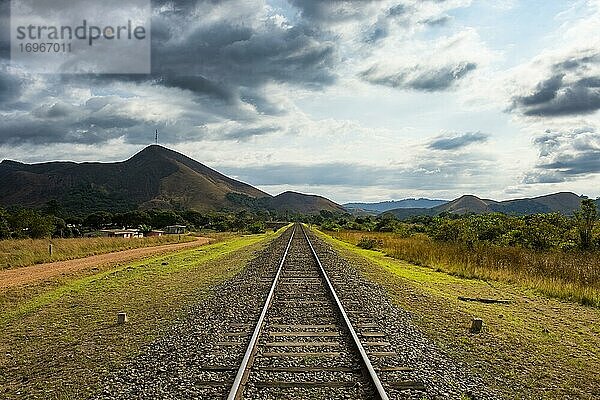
x=156 y=137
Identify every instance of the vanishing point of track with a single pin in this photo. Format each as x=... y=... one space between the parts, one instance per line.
x=304 y=344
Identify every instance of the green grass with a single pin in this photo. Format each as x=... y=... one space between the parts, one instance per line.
x=572 y=276
x=533 y=348
x=62 y=341
x=24 y=252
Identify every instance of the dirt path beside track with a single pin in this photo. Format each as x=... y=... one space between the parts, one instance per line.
x=36 y=273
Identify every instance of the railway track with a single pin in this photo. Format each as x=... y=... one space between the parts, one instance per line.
x=292 y=328
x=306 y=344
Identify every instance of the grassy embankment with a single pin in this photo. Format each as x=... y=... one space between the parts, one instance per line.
x=24 y=252
x=572 y=276
x=58 y=341
x=533 y=348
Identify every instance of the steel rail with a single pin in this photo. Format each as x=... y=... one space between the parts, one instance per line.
x=237 y=388
x=365 y=358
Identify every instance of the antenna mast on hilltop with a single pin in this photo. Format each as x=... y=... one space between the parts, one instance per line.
x=156 y=137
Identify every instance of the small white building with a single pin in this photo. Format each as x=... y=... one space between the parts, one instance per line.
x=122 y=233
x=175 y=229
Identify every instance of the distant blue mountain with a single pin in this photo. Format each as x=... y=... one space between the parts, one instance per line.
x=564 y=202
x=384 y=206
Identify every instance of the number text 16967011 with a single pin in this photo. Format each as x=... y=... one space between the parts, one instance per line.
x=51 y=47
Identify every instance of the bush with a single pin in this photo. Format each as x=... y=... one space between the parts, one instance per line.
x=257 y=227
x=330 y=226
x=369 y=243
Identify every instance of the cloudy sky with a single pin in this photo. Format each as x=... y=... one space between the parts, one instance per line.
x=353 y=100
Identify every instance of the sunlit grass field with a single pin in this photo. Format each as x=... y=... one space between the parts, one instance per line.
x=23 y=252
x=572 y=276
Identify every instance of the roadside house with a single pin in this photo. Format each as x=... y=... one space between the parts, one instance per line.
x=122 y=233
x=175 y=229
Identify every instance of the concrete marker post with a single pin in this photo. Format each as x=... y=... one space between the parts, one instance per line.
x=476 y=325
x=122 y=318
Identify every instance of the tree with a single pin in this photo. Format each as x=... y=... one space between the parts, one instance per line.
x=545 y=231
x=585 y=219
x=31 y=223
x=386 y=223
x=446 y=230
x=326 y=214
x=240 y=220
x=60 y=227
x=162 y=218
x=131 y=219
x=53 y=207
x=196 y=219
x=4 y=226
x=99 y=220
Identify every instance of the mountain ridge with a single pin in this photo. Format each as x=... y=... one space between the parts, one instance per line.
x=297 y=202
x=155 y=177
x=563 y=202
x=383 y=206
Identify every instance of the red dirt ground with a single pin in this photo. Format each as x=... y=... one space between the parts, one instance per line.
x=40 y=272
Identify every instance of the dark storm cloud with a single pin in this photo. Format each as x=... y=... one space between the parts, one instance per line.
x=572 y=89
x=4 y=29
x=222 y=63
x=458 y=141
x=54 y=111
x=41 y=131
x=199 y=85
x=80 y=127
x=61 y=125
x=420 y=78
x=11 y=87
x=566 y=155
x=544 y=92
x=586 y=162
x=579 y=97
x=98 y=120
x=215 y=58
x=237 y=53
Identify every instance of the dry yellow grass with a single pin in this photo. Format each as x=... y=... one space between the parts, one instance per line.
x=24 y=252
x=534 y=348
x=572 y=276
